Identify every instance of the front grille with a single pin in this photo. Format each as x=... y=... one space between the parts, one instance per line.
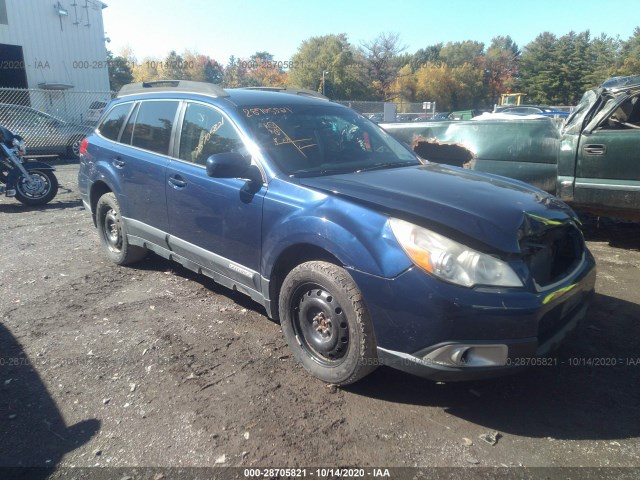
x=553 y=254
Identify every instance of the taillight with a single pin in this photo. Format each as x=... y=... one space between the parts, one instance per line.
x=83 y=146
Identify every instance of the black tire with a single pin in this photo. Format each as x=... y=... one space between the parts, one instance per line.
x=42 y=190
x=113 y=235
x=326 y=323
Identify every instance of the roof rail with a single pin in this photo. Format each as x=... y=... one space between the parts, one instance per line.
x=172 y=86
x=292 y=91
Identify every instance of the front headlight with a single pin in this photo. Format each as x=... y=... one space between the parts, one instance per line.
x=19 y=147
x=452 y=261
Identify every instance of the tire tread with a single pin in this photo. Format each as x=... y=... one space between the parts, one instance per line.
x=128 y=253
x=367 y=345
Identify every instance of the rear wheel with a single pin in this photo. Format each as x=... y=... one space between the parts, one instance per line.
x=39 y=189
x=112 y=231
x=326 y=323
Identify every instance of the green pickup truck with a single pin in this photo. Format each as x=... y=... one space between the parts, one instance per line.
x=592 y=162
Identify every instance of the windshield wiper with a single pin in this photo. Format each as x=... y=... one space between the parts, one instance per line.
x=337 y=171
x=319 y=173
x=381 y=166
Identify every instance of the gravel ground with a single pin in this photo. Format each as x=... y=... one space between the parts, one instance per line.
x=103 y=365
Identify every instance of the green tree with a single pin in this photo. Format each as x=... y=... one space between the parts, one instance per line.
x=430 y=54
x=119 y=71
x=213 y=71
x=604 y=59
x=456 y=54
x=235 y=73
x=332 y=54
x=572 y=67
x=469 y=89
x=557 y=71
x=538 y=64
x=260 y=57
x=630 y=55
x=173 y=67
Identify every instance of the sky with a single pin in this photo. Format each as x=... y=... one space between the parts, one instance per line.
x=221 y=28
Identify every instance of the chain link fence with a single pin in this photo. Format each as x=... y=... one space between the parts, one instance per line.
x=51 y=122
x=406 y=110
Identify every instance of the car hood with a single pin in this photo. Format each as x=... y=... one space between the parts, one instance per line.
x=489 y=209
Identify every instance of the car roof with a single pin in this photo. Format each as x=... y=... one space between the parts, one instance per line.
x=245 y=97
x=616 y=84
x=239 y=97
x=17 y=107
x=5 y=106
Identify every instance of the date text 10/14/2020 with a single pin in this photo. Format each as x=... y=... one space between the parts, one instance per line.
x=316 y=472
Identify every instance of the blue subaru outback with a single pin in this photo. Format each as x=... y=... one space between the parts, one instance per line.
x=367 y=254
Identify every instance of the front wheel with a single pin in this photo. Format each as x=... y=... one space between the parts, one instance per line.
x=39 y=189
x=326 y=323
x=112 y=231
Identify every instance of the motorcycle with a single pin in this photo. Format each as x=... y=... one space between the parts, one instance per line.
x=30 y=182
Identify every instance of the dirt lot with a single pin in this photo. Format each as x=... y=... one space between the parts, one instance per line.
x=155 y=366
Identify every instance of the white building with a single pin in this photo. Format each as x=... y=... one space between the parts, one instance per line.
x=53 y=45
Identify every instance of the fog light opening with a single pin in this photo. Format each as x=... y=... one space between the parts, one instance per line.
x=460 y=356
x=469 y=356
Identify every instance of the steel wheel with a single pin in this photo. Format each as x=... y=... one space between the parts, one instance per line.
x=112 y=231
x=326 y=323
x=320 y=324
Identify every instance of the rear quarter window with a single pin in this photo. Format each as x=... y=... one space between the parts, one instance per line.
x=111 y=125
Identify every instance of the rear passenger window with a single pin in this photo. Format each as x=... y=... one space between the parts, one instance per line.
x=153 y=124
x=206 y=131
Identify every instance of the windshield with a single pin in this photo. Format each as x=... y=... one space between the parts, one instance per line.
x=574 y=122
x=318 y=140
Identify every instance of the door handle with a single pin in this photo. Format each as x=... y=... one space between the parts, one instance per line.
x=594 y=149
x=118 y=162
x=176 y=181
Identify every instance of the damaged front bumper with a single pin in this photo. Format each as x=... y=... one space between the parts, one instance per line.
x=447 y=333
x=460 y=361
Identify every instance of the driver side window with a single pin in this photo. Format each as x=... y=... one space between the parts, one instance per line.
x=205 y=132
x=627 y=115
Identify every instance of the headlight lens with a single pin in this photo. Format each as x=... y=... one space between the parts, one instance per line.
x=19 y=147
x=452 y=261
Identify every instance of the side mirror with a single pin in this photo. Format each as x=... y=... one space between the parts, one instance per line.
x=228 y=165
